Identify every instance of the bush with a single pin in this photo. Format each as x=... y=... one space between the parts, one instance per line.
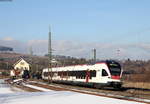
x=5 y=73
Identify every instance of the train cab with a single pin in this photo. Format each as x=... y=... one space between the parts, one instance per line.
x=112 y=74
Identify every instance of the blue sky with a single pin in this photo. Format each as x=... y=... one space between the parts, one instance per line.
x=82 y=21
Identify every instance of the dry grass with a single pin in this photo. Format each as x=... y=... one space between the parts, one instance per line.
x=3 y=77
x=144 y=85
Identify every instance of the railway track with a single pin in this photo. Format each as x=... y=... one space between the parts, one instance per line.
x=141 y=95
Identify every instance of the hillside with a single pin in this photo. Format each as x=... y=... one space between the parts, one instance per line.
x=134 y=70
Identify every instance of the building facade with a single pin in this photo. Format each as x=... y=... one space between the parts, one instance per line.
x=19 y=67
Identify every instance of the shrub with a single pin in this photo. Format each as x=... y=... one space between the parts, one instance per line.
x=5 y=73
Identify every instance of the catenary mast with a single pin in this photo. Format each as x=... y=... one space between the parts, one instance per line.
x=50 y=57
x=94 y=55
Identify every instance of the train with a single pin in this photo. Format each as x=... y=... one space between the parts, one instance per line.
x=100 y=74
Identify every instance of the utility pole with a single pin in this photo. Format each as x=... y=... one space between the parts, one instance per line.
x=50 y=57
x=94 y=55
x=7 y=65
x=118 y=54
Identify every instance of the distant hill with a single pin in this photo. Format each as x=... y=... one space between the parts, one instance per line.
x=134 y=70
x=7 y=60
x=11 y=58
x=3 y=48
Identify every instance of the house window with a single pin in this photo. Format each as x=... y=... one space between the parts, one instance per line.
x=22 y=63
x=22 y=68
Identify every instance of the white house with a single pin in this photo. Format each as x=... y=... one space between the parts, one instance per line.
x=22 y=65
x=19 y=67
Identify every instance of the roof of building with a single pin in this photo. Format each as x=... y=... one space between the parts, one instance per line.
x=20 y=60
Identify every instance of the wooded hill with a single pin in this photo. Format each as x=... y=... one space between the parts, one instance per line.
x=134 y=70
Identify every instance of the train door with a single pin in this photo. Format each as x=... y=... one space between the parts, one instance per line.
x=104 y=76
x=87 y=75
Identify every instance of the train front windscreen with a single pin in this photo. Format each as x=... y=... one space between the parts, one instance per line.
x=115 y=68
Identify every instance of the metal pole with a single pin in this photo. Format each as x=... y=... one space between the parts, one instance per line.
x=7 y=65
x=50 y=57
x=118 y=54
x=94 y=54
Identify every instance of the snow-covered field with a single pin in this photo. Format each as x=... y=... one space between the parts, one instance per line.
x=4 y=88
x=7 y=96
x=57 y=97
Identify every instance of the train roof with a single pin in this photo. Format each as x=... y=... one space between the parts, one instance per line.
x=103 y=61
x=84 y=66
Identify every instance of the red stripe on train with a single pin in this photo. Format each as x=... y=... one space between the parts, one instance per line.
x=115 y=77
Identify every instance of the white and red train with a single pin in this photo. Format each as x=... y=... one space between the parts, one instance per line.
x=101 y=74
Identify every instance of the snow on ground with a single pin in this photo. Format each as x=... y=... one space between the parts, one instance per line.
x=35 y=87
x=103 y=94
x=7 y=96
x=58 y=97
x=5 y=90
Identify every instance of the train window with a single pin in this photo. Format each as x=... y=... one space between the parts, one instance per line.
x=93 y=73
x=45 y=74
x=104 y=73
x=59 y=73
x=78 y=74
